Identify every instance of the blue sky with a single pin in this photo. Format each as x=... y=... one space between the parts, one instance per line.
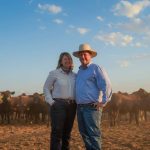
x=34 y=32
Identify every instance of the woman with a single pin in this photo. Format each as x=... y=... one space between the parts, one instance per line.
x=59 y=94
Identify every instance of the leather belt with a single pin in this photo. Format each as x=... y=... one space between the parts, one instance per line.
x=87 y=104
x=69 y=101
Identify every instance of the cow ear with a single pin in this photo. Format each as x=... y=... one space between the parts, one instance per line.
x=12 y=92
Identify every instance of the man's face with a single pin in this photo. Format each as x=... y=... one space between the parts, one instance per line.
x=85 y=58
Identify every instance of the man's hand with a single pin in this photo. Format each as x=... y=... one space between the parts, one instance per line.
x=98 y=105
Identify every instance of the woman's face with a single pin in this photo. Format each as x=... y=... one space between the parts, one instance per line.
x=66 y=62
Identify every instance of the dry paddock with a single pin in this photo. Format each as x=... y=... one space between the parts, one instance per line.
x=20 y=136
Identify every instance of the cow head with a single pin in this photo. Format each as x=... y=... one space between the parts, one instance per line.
x=36 y=97
x=1 y=98
x=5 y=95
x=141 y=92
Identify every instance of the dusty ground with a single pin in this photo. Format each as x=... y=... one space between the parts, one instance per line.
x=36 y=137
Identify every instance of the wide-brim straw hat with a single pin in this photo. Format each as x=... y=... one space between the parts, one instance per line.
x=85 y=48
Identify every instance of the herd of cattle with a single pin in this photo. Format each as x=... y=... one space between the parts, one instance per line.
x=30 y=108
x=133 y=107
x=33 y=108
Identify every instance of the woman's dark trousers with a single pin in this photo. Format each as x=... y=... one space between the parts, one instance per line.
x=62 y=118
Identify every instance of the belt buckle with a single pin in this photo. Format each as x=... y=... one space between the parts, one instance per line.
x=70 y=101
x=67 y=101
x=93 y=105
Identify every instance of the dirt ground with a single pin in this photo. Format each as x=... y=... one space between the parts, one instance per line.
x=126 y=136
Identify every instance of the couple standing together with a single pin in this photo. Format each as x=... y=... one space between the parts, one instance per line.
x=87 y=92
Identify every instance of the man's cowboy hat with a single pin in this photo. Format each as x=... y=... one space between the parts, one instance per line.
x=85 y=48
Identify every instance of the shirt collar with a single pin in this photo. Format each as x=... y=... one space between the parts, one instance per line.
x=85 y=67
x=61 y=70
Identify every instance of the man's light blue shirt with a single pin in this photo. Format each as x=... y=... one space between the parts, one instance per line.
x=92 y=85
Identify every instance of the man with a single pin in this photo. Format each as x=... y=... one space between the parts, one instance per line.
x=93 y=91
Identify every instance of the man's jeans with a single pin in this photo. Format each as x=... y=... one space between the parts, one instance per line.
x=62 y=118
x=89 y=119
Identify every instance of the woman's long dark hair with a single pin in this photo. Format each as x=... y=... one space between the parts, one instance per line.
x=59 y=65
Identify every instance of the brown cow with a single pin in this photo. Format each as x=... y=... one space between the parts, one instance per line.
x=123 y=104
x=17 y=107
x=144 y=101
x=38 y=107
x=5 y=107
x=26 y=101
x=45 y=108
x=35 y=107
